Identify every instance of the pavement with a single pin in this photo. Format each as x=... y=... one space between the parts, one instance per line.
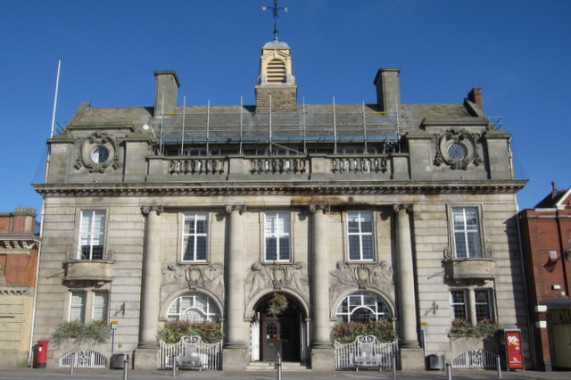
x=98 y=374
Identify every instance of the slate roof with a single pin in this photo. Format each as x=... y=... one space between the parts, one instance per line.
x=554 y=199
x=314 y=123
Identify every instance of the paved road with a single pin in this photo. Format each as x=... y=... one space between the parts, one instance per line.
x=82 y=374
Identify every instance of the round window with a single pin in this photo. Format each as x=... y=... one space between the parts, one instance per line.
x=457 y=151
x=100 y=154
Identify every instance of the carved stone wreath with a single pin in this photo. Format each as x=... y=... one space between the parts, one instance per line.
x=100 y=142
x=457 y=149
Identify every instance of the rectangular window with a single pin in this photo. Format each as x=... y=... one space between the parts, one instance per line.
x=458 y=303
x=100 y=301
x=483 y=304
x=277 y=236
x=77 y=306
x=466 y=226
x=92 y=235
x=360 y=235
x=195 y=237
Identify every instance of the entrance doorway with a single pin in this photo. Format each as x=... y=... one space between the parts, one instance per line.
x=281 y=334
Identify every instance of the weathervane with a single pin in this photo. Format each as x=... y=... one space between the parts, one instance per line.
x=275 y=9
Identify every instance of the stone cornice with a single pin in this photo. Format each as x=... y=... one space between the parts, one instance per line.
x=281 y=188
x=13 y=243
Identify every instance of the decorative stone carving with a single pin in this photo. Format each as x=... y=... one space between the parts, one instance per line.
x=97 y=153
x=240 y=208
x=457 y=149
x=209 y=277
x=18 y=244
x=363 y=276
x=145 y=210
x=277 y=277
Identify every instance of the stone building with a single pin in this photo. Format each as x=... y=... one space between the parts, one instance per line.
x=546 y=240
x=354 y=212
x=19 y=246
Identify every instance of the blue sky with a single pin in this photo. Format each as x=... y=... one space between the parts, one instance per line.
x=517 y=51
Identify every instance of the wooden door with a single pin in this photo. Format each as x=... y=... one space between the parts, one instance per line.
x=271 y=339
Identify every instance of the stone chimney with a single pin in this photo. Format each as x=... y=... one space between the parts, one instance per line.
x=475 y=96
x=166 y=91
x=388 y=89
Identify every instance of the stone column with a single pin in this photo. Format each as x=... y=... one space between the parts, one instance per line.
x=405 y=273
x=235 y=348
x=472 y=306
x=322 y=353
x=150 y=295
x=146 y=352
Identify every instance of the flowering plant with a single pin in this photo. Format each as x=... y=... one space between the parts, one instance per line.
x=483 y=329
x=92 y=332
x=172 y=331
x=277 y=304
x=346 y=332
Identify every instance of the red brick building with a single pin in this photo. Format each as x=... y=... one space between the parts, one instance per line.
x=19 y=249
x=546 y=233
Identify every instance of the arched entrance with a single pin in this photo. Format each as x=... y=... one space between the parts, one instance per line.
x=282 y=333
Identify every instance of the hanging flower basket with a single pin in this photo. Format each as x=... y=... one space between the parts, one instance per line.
x=277 y=304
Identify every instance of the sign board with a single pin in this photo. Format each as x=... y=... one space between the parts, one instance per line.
x=513 y=349
x=114 y=325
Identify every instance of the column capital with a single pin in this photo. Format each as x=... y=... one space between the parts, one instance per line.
x=407 y=207
x=241 y=208
x=146 y=210
x=315 y=207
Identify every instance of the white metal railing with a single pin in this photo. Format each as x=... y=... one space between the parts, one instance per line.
x=475 y=359
x=365 y=352
x=83 y=359
x=210 y=354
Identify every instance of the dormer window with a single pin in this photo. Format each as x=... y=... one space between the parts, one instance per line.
x=276 y=71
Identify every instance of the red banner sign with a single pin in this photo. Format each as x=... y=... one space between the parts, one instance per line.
x=513 y=348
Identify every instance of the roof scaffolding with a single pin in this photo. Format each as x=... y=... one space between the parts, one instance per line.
x=315 y=123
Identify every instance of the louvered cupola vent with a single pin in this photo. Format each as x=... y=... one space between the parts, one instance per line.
x=276 y=71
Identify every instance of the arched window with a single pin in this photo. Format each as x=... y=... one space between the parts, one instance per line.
x=276 y=71
x=362 y=307
x=194 y=307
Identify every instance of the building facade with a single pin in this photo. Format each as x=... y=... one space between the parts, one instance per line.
x=19 y=246
x=353 y=212
x=546 y=238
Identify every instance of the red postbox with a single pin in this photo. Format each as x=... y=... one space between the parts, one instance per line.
x=41 y=354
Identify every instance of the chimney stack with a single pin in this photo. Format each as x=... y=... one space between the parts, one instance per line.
x=166 y=91
x=388 y=89
x=475 y=96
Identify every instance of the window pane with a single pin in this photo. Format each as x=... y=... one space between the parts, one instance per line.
x=458 y=304
x=354 y=249
x=284 y=248
x=99 y=306
x=189 y=249
x=367 y=247
x=360 y=235
x=77 y=306
x=466 y=232
x=271 y=248
x=483 y=305
x=92 y=235
x=201 y=248
x=362 y=307
x=277 y=235
x=195 y=237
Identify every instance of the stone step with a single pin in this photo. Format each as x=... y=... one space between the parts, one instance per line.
x=270 y=367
